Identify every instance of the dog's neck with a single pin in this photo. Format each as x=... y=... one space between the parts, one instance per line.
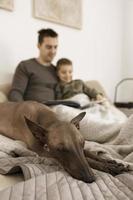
x=47 y=119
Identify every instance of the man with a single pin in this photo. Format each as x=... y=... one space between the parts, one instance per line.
x=35 y=78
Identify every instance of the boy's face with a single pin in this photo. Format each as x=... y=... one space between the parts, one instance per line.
x=65 y=73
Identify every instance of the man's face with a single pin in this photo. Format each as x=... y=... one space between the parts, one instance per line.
x=48 y=48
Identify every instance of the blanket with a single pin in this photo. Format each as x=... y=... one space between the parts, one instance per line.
x=101 y=123
x=108 y=132
x=46 y=179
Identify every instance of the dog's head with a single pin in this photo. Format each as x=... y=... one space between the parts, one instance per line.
x=65 y=143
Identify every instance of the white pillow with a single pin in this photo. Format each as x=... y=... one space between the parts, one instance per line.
x=81 y=98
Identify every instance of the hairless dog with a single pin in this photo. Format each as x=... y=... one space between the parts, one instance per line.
x=39 y=127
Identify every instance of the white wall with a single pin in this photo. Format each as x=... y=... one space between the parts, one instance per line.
x=96 y=50
x=104 y=19
x=128 y=40
x=125 y=90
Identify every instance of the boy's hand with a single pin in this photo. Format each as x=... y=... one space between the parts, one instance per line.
x=100 y=97
x=102 y=100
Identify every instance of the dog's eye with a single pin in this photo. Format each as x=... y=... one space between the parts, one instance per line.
x=61 y=149
x=77 y=126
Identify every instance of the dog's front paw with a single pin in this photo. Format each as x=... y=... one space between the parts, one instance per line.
x=115 y=168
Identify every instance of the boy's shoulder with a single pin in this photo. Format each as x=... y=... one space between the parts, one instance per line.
x=71 y=83
x=78 y=81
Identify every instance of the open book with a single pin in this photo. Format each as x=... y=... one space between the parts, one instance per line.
x=63 y=102
x=75 y=103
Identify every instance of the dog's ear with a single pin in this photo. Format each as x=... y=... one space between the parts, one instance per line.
x=77 y=119
x=38 y=131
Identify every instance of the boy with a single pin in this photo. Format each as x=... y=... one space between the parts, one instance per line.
x=67 y=87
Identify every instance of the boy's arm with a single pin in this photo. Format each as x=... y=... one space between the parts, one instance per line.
x=91 y=92
x=19 y=84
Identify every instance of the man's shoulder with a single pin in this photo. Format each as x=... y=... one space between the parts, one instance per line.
x=33 y=61
x=27 y=64
x=28 y=61
x=53 y=67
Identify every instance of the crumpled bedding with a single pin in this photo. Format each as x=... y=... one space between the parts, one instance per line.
x=58 y=186
x=101 y=122
x=45 y=178
x=109 y=136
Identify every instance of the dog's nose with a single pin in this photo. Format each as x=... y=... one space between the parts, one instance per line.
x=87 y=178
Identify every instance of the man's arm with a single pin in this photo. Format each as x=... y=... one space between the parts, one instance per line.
x=20 y=81
x=58 y=93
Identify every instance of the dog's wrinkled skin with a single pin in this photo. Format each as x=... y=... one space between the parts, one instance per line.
x=39 y=127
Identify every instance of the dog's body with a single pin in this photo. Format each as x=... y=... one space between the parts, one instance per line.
x=37 y=126
x=12 y=121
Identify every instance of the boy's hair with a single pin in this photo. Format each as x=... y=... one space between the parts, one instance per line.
x=62 y=61
x=46 y=33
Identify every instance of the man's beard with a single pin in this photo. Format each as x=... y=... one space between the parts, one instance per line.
x=50 y=58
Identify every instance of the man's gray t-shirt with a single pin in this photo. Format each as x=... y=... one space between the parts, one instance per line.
x=33 y=81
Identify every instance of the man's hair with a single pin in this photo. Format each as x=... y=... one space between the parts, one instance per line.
x=62 y=61
x=46 y=33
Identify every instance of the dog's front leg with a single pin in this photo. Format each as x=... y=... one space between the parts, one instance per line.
x=109 y=166
x=97 y=157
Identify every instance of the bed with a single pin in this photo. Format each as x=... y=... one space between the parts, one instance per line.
x=30 y=177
